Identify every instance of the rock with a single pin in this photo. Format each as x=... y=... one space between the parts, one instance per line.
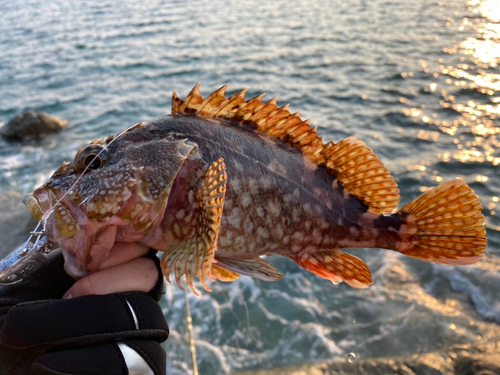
x=478 y=364
x=32 y=124
x=15 y=221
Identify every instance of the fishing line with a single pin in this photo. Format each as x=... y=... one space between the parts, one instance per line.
x=27 y=258
x=189 y=324
x=47 y=214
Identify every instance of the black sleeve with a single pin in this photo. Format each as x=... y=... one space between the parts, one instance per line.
x=42 y=334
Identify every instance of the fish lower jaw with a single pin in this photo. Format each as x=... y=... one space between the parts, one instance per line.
x=72 y=267
x=88 y=249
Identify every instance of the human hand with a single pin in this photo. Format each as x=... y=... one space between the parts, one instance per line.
x=93 y=334
x=125 y=269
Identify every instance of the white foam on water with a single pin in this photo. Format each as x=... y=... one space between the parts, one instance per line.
x=480 y=282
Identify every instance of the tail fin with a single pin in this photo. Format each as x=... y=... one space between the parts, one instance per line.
x=445 y=225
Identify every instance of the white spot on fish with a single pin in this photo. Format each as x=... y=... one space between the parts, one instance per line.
x=298 y=236
x=177 y=230
x=239 y=241
x=274 y=208
x=235 y=184
x=260 y=212
x=296 y=193
x=328 y=203
x=246 y=199
x=238 y=166
x=252 y=185
x=251 y=246
x=261 y=232
x=307 y=208
x=235 y=218
x=278 y=231
x=249 y=226
x=223 y=241
x=318 y=193
x=266 y=182
x=316 y=236
x=308 y=165
x=277 y=167
x=180 y=214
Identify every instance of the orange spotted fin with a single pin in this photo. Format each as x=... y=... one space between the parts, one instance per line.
x=195 y=255
x=362 y=173
x=224 y=275
x=337 y=266
x=256 y=267
x=356 y=167
x=445 y=225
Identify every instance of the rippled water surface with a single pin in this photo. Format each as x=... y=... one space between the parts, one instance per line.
x=418 y=81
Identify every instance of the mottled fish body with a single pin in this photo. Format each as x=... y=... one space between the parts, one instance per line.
x=222 y=181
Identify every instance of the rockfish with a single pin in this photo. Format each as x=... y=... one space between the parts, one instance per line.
x=221 y=182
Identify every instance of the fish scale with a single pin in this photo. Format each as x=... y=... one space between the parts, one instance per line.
x=276 y=200
x=222 y=181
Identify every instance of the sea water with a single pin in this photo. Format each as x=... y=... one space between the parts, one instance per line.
x=418 y=81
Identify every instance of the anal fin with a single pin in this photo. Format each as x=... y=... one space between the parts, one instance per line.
x=195 y=254
x=337 y=266
x=256 y=267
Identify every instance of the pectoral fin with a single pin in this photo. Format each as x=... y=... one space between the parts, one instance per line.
x=337 y=266
x=195 y=255
x=256 y=267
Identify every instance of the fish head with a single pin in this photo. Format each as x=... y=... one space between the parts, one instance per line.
x=116 y=189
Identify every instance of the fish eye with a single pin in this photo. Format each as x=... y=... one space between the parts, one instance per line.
x=90 y=157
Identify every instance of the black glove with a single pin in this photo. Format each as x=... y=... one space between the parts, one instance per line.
x=98 y=334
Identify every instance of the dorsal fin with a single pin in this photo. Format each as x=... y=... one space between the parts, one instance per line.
x=356 y=167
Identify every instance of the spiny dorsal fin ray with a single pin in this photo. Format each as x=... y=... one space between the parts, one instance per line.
x=357 y=168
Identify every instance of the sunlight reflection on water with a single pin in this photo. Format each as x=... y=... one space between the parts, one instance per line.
x=478 y=57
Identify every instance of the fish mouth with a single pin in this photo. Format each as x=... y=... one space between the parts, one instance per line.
x=59 y=219
x=85 y=243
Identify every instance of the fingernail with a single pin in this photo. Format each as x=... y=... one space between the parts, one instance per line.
x=69 y=296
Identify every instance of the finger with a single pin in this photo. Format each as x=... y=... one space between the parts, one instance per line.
x=138 y=275
x=123 y=252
